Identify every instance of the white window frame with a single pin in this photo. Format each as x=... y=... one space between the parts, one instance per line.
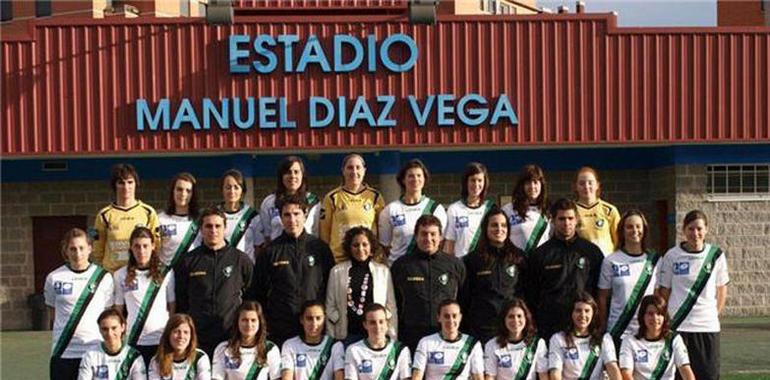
x=743 y=170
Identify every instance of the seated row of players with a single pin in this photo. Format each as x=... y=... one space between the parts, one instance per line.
x=211 y=280
x=515 y=352
x=354 y=203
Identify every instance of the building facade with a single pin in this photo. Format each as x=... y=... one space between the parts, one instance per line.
x=673 y=118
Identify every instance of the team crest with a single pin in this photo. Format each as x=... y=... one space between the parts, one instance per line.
x=443 y=279
x=665 y=356
x=242 y=225
x=464 y=357
x=599 y=223
x=581 y=263
x=367 y=206
x=228 y=271
x=392 y=363
x=596 y=350
x=648 y=268
x=511 y=270
x=311 y=261
x=91 y=288
x=707 y=267
x=529 y=356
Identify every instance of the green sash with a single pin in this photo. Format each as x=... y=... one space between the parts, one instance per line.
x=526 y=362
x=697 y=287
x=77 y=312
x=184 y=246
x=475 y=240
x=588 y=367
x=125 y=367
x=428 y=210
x=322 y=360
x=311 y=199
x=636 y=296
x=461 y=359
x=256 y=368
x=537 y=234
x=391 y=361
x=143 y=312
x=242 y=226
x=192 y=371
x=665 y=358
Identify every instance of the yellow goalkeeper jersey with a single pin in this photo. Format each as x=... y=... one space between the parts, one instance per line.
x=342 y=210
x=599 y=225
x=113 y=227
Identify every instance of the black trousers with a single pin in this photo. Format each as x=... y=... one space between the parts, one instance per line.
x=703 y=349
x=64 y=369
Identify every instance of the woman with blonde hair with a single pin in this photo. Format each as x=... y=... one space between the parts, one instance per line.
x=179 y=357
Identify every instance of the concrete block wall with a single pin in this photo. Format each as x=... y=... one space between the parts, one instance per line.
x=741 y=228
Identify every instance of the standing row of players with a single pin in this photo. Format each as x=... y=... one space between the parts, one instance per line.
x=287 y=274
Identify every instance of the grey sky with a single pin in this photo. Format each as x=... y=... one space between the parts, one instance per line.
x=649 y=12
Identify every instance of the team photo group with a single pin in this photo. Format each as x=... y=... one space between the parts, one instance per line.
x=347 y=286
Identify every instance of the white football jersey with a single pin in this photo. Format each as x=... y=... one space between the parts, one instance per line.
x=620 y=273
x=252 y=230
x=642 y=356
x=678 y=270
x=396 y=224
x=365 y=363
x=97 y=364
x=304 y=359
x=133 y=296
x=436 y=357
x=571 y=360
x=201 y=369
x=521 y=228
x=62 y=290
x=224 y=367
x=463 y=223
x=503 y=363
x=173 y=231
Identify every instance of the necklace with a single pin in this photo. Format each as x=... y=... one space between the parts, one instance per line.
x=358 y=307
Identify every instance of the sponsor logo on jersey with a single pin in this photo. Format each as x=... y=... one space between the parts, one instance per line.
x=274 y=212
x=436 y=357
x=571 y=354
x=682 y=268
x=641 y=356
x=514 y=220
x=311 y=260
x=102 y=372
x=415 y=279
x=228 y=270
x=365 y=366
x=198 y=273
x=504 y=361
x=511 y=270
x=398 y=220
x=301 y=360
x=230 y=364
x=599 y=223
x=168 y=230
x=461 y=222
x=280 y=263
x=621 y=270
x=134 y=285
x=443 y=279
x=62 y=288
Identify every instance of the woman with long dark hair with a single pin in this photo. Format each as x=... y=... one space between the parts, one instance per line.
x=654 y=352
x=528 y=211
x=627 y=275
x=494 y=275
x=247 y=354
x=313 y=355
x=179 y=357
x=146 y=292
x=580 y=351
x=243 y=227
x=516 y=352
x=356 y=282
x=464 y=216
x=291 y=179
x=179 y=221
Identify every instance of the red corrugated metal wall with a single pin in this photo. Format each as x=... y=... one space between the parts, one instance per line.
x=572 y=79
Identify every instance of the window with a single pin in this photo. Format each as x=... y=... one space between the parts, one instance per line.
x=42 y=8
x=6 y=10
x=492 y=6
x=739 y=182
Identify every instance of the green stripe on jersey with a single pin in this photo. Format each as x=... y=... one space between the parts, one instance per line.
x=184 y=246
x=77 y=312
x=391 y=361
x=475 y=240
x=323 y=359
x=635 y=298
x=461 y=359
x=429 y=209
x=144 y=311
x=242 y=226
x=537 y=234
x=526 y=361
x=697 y=287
